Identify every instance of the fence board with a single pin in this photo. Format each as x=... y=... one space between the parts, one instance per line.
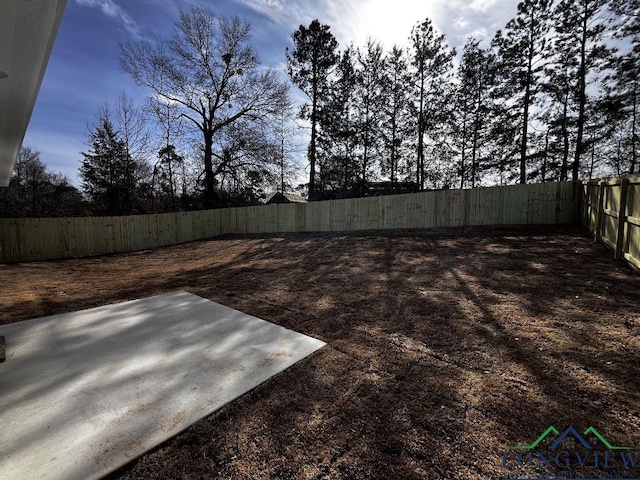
x=41 y=239
x=632 y=241
x=611 y=215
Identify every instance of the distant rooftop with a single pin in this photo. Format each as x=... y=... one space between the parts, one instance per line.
x=286 y=197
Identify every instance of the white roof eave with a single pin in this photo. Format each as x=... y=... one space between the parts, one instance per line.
x=28 y=30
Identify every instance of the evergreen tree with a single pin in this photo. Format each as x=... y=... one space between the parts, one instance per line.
x=560 y=89
x=369 y=107
x=395 y=127
x=431 y=62
x=338 y=136
x=624 y=87
x=310 y=65
x=475 y=81
x=166 y=171
x=503 y=132
x=580 y=27
x=625 y=93
x=520 y=51
x=107 y=171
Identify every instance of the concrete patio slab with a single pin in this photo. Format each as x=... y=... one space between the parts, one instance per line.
x=84 y=393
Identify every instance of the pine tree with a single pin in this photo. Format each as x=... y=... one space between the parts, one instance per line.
x=625 y=86
x=369 y=106
x=475 y=80
x=310 y=66
x=521 y=48
x=580 y=27
x=626 y=93
x=338 y=136
x=106 y=173
x=431 y=62
x=395 y=114
x=167 y=168
x=503 y=129
x=560 y=89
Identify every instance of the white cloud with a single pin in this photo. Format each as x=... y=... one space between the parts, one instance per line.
x=479 y=33
x=350 y=21
x=461 y=24
x=112 y=10
x=390 y=22
x=482 y=5
x=269 y=4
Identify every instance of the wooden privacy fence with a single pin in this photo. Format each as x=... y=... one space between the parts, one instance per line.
x=51 y=238
x=611 y=211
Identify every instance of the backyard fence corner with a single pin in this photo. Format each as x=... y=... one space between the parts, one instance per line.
x=611 y=212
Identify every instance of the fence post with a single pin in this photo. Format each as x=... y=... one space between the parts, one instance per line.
x=599 y=213
x=622 y=218
x=586 y=204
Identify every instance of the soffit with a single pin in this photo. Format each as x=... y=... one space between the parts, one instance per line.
x=28 y=30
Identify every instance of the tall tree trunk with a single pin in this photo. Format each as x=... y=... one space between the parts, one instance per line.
x=565 y=139
x=476 y=135
x=618 y=158
x=208 y=170
x=420 y=166
x=345 y=165
x=464 y=146
x=394 y=153
x=525 y=116
x=634 y=135
x=365 y=154
x=153 y=188
x=312 y=145
x=544 y=159
x=171 y=185
x=525 y=132
x=282 y=158
x=474 y=150
x=582 y=98
x=593 y=158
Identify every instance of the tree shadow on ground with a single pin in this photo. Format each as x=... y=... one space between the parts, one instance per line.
x=444 y=347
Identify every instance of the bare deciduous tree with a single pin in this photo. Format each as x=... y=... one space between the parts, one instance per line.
x=211 y=71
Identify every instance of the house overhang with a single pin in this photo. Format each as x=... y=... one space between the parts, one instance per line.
x=28 y=30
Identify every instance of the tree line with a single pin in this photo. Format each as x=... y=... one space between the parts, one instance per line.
x=552 y=97
x=36 y=191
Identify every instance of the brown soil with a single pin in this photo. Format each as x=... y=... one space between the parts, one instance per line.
x=444 y=349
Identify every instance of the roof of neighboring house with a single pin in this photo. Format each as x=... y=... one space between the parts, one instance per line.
x=28 y=30
x=286 y=197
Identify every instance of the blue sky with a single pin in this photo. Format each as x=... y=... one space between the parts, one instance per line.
x=84 y=73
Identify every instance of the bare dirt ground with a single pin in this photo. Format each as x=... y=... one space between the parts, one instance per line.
x=444 y=349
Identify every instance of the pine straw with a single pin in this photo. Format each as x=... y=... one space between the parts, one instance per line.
x=445 y=347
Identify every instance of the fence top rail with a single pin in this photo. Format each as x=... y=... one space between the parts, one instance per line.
x=614 y=181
